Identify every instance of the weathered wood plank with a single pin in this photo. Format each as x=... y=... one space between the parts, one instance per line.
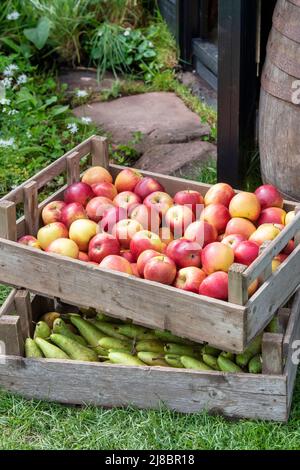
x=99 y=151
x=8 y=305
x=23 y=309
x=31 y=213
x=272 y=354
x=258 y=397
x=237 y=285
x=8 y=228
x=151 y=304
x=11 y=335
x=73 y=168
x=273 y=294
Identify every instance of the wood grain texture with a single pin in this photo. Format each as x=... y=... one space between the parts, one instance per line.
x=99 y=151
x=8 y=227
x=23 y=309
x=272 y=353
x=11 y=336
x=9 y=304
x=73 y=169
x=148 y=303
x=31 y=213
x=237 y=284
x=273 y=294
x=234 y=395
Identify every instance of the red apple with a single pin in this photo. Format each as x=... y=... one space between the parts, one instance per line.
x=127 y=180
x=64 y=247
x=289 y=248
x=111 y=216
x=97 y=207
x=83 y=256
x=135 y=270
x=201 y=232
x=166 y=235
x=184 y=253
x=189 y=279
x=192 y=199
x=145 y=240
x=178 y=218
x=160 y=269
x=29 y=240
x=124 y=231
x=51 y=232
x=146 y=186
x=116 y=263
x=127 y=255
x=144 y=257
x=148 y=218
x=82 y=231
x=216 y=215
x=245 y=205
x=159 y=201
x=272 y=215
x=246 y=252
x=72 y=212
x=105 y=190
x=217 y=257
x=102 y=245
x=127 y=200
x=233 y=240
x=96 y=174
x=269 y=196
x=281 y=257
x=240 y=226
x=52 y=212
x=220 y=193
x=215 y=286
x=78 y=192
x=265 y=232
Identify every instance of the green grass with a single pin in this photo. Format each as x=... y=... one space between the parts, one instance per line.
x=40 y=425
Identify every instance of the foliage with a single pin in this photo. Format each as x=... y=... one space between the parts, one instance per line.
x=126 y=154
x=36 y=125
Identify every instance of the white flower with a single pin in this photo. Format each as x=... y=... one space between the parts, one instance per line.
x=6 y=82
x=100 y=33
x=150 y=44
x=73 y=128
x=29 y=135
x=86 y=120
x=12 y=112
x=22 y=79
x=10 y=70
x=127 y=32
x=5 y=101
x=81 y=93
x=7 y=142
x=14 y=15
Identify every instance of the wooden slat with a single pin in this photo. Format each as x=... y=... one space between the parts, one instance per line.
x=8 y=227
x=272 y=353
x=274 y=248
x=151 y=304
x=297 y=236
x=99 y=151
x=11 y=336
x=283 y=318
x=234 y=395
x=51 y=171
x=23 y=309
x=73 y=168
x=237 y=286
x=290 y=347
x=31 y=214
x=274 y=293
x=267 y=272
x=9 y=304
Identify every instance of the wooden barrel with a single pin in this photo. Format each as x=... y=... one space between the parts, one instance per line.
x=279 y=113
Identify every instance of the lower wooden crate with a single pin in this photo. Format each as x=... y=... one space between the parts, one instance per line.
x=267 y=396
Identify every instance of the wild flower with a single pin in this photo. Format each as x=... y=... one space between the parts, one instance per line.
x=22 y=79
x=10 y=70
x=6 y=82
x=14 y=15
x=7 y=142
x=72 y=127
x=5 y=101
x=86 y=120
x=12 y=112
x=81 y=93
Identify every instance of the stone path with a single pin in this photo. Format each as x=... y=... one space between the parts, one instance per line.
x=171 y=134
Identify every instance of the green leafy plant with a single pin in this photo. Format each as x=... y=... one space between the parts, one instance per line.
x=127 y=154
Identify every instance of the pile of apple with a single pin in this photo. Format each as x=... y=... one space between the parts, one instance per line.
x=188 y=241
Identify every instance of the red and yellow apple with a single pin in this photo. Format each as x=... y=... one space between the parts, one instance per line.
x=269 y=196
x=127 y=255
x=159 y=201
x=220 y=193
x=215 y=285
x=265 y=232
x=47 y=234
x=160 y=269
x=64 y=247
x=145 y=240
x=192 y=199
x=166 y=235
x=240 y=226
x=217 y=257
x=289 y=217
x=96 y=174
x=135 y=270
x=272 y=215
x=29 y=240
x=111 y=216
x=143 y=258
x=105 y=189
x=216 y=215
x=102 y=245
x=233 y=240
x=83 y=256
x=149 y=219
x=245 y=205
x=178 y=218
x=116 y=263
x=146 y=186
x=201 y=232
x=184 y=253
x=72 y=212
x=124 y=230
x=82 y=231
x=246 y=252
x=52 y=212
x=127 y=200
x=78 y=192
x=189 y=279
x=97 y=207
x=127 y=180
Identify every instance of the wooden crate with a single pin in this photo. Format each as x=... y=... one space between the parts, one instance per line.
x=229 y=325
x=266 y=396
